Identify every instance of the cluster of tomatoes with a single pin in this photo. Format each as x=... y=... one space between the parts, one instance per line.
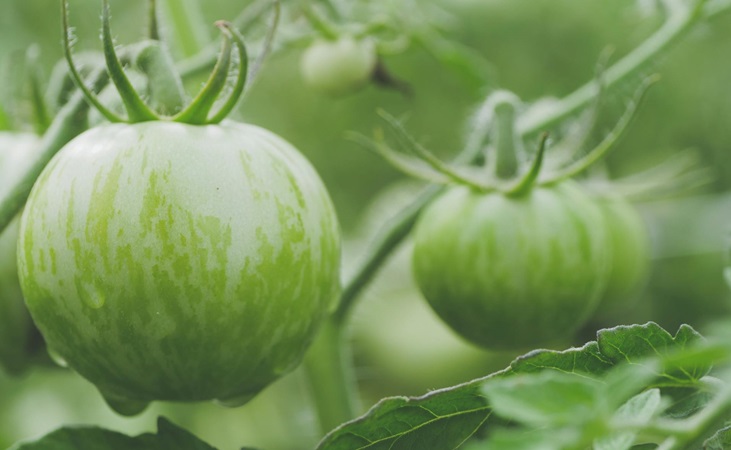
x=173 y=261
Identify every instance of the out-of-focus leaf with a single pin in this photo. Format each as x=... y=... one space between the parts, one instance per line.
x=168 y=437
x=544 y=399
x=639 y=409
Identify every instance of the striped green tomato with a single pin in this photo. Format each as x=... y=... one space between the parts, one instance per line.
x=165 y=261
x=512 y=272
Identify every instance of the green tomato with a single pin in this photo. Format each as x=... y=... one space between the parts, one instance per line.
x=512 y=272
x=165 y=261
x=20 y=342
x=630 y=244
x=339 y=67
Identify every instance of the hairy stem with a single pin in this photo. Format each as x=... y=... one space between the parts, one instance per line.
x=677 y=26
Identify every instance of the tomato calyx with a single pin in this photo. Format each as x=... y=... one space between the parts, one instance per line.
x=507 y=167
x=199 y=110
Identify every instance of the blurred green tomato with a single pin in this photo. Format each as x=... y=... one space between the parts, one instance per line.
x=339 y=67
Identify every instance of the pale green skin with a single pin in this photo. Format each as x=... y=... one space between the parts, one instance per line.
x=165 y=261
x=512 y=272
x=338 y=67
x=19 y=343
x=630 y=254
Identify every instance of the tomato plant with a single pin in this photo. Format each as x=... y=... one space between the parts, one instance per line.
x=171 y=253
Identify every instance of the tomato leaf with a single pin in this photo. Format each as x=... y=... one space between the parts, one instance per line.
x=543 y=399
x=442 y=419
x=544 y=387
x=639 y=409
x=168 y=437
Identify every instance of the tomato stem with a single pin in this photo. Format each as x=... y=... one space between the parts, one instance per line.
x=609 y=141
x=507 y=142
x=197 y=111
x=675 y=27
x=205 y=59
x=76 y=76
x=153 y=26
x=330 y=371
x=243 y=68
x=137 y=110
x=320 y=24
x=526 y=182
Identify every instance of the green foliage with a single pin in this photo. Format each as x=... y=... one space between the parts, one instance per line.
x=168 y=437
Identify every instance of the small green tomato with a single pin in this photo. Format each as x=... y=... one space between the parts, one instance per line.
x=512 y=272
x=338 y=67
x=166 y=261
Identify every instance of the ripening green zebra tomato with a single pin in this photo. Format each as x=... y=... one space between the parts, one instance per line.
x=337 y=67
x=512 y=272
x=20 y=343
x=165 y=261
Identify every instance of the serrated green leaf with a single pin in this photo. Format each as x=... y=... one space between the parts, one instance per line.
x=587 y=359
x=639 y=409
x=442 y=419
x=168 y=437
x=636 y=343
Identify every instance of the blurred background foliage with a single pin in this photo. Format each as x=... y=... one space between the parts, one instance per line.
x=537 y=48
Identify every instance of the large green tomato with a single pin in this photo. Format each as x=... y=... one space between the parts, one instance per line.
x=166 y=261
x=512 y=272
x=20 y=343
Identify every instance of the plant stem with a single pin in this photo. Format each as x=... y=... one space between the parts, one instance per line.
x=672 y=30
x=68 y=123
x=190 y=33
x=329 y=367
x=506 y=141
x=393 y=232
